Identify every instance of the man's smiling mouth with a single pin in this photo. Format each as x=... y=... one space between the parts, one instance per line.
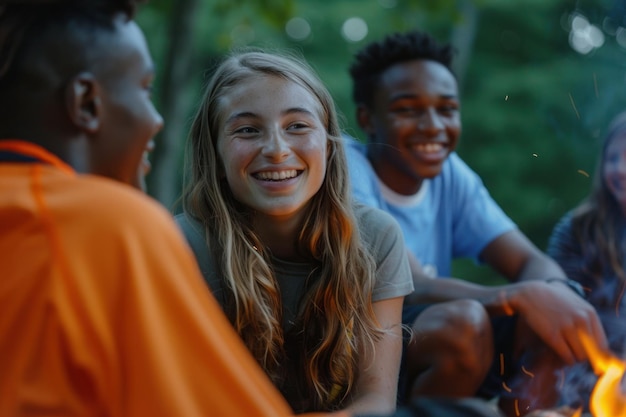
x=429 y=147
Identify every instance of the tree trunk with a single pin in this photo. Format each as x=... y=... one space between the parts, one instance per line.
x=164 y=180
x=462 y=38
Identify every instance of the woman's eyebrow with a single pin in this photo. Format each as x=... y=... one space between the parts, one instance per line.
x=297 y=110
x=251 y=115
x=240 y=115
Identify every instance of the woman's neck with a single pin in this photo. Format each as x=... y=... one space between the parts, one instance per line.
x=280 y=235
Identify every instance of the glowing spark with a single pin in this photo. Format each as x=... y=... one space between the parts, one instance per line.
x=506 y=98
x=535 y=155
x=506 y=387
x=571 y=99
x=583 y=172
x=527 y=372
x=508 y=310
x=516 y=403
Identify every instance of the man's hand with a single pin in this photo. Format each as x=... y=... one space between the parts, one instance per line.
x=558 y=316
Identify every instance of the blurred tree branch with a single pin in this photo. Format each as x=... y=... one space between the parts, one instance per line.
x=163 y=180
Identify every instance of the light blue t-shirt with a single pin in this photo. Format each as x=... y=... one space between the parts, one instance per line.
x=451 y=216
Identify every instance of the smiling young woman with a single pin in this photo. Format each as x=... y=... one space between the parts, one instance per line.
x=313 y=283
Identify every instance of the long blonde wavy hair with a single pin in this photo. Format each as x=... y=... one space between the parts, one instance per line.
x=336 y=318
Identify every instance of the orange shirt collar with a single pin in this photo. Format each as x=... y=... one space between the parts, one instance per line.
x=35 y=151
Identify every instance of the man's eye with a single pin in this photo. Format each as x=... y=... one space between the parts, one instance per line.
x=405 y=110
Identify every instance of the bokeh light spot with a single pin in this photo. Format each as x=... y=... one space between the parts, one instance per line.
x=620 y=36
x=584 y=37
x=298 y=28
x=354 y=29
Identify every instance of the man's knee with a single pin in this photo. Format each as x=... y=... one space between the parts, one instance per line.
x=458 y=332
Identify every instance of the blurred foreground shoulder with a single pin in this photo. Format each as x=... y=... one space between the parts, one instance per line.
x=118 y=206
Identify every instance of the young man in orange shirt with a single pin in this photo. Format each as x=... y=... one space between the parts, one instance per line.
x=102 y=307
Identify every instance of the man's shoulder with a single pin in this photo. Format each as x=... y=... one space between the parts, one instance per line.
x=455 y=165
x=113 y=205
x=457 y=175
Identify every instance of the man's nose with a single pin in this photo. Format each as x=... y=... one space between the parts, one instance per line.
x=430 y=121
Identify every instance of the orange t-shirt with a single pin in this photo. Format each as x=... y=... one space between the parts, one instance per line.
x=102 y=308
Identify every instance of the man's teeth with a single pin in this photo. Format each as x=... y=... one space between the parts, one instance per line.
x=429 y=147
x=276 y=175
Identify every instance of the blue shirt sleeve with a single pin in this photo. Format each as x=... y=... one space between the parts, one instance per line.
x=477 y=219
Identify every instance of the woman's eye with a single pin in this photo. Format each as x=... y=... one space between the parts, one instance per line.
x=245 y=130
x=297 y=126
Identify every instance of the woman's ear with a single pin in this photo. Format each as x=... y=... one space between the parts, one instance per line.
x=83 y=102
x=364 y=119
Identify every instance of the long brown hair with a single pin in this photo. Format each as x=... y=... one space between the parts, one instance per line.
x=336 y=319
x=598 y=222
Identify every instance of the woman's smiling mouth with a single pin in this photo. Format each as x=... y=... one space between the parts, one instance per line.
x=276 y=175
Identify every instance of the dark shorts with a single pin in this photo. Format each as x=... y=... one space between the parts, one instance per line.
x=503 y=368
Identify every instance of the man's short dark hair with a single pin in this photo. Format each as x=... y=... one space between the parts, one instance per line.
x=24 y=22
x=371 y=61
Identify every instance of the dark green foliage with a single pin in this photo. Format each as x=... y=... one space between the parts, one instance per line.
x=533 y=109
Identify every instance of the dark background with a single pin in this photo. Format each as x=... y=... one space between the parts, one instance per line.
x=540 y=79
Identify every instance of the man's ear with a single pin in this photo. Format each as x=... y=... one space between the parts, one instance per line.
x=83 y=101
x=364 y=119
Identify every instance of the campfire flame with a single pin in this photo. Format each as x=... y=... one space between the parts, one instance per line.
x=608 y=399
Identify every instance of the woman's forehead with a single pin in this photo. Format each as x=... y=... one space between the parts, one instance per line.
x=267 y=94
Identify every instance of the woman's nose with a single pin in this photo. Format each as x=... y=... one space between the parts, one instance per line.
x=275 y=146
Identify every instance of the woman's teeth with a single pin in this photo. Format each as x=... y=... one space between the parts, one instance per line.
x=276 y=175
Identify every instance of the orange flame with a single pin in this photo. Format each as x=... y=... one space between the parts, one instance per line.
x=607 y=398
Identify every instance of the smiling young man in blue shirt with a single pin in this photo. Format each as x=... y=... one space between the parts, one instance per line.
x=468 y=339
